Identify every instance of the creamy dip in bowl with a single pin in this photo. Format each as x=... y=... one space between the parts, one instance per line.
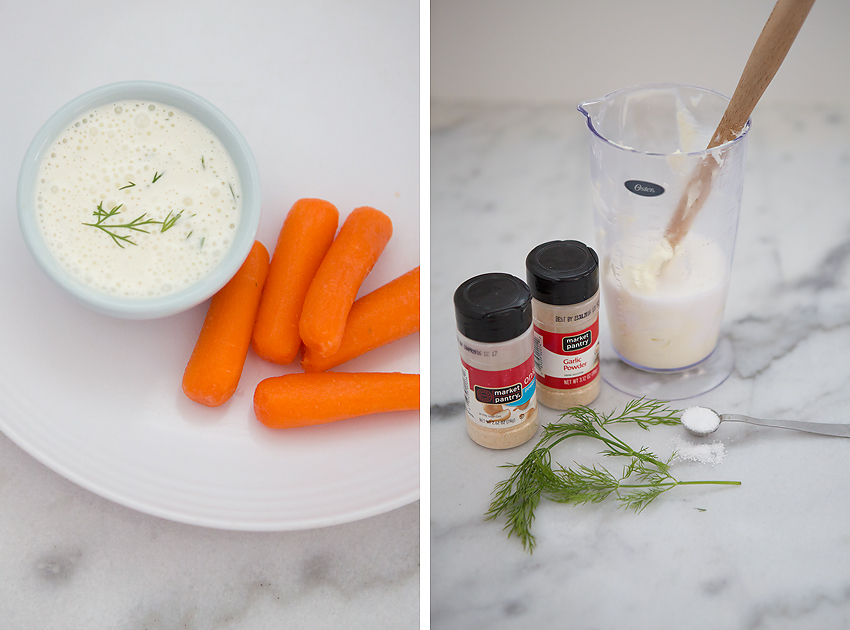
x=140 y=199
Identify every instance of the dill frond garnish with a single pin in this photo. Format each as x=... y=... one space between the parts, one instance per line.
x=169 y=221
x=139 y=224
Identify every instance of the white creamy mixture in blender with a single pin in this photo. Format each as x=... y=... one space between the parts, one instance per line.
x=666 y=214
x=664 y=303
x=665 y=308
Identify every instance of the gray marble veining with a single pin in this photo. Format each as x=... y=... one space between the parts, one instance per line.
x=74 y=560
x=772 y=553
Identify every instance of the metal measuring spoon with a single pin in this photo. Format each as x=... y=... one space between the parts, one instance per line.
x=702 y=421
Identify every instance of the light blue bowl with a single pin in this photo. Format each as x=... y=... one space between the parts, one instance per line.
x=219 y=124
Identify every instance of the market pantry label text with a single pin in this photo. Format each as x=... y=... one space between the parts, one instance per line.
x=499 y=398
x=567 y=361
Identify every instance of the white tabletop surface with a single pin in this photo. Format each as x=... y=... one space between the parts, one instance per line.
x=771 y=553
x=327 y=95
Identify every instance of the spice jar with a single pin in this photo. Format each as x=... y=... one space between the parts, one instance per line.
x=494 y=333
x=564 y=280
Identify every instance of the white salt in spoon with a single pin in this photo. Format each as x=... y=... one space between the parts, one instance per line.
x=702 y=421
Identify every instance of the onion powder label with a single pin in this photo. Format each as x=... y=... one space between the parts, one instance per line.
x=499 y=398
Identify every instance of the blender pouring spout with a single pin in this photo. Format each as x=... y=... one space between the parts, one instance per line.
x=591 y=110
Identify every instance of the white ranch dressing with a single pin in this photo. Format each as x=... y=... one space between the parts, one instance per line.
x=147 y=160
x=666 y=310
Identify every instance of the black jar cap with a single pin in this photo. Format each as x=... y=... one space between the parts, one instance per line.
x=562 y=272
x=493 y=307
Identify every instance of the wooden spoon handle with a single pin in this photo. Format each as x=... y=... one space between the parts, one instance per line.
x=768 y=54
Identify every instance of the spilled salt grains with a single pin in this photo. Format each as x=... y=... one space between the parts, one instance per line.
x=700 y=421
x=686 y=451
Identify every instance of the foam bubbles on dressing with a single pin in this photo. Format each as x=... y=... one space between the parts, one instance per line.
x=147 y=160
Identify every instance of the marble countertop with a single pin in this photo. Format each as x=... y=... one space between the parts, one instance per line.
x=327 y=96
x=771 y=553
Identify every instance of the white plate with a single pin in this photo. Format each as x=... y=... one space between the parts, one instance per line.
x=99 y=401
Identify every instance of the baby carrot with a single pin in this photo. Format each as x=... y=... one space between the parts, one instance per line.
x=215 y=366
x=378 y=318
x=360 y=242
x=299 y=399
x=304 y=239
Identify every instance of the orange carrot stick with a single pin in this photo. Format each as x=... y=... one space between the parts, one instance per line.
x=303 y=242
x=359 y=244
x=299 y=399
x=215 y=366
x=378 y=318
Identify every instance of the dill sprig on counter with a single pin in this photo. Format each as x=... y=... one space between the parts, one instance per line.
x=643 y=479
x=136 y=225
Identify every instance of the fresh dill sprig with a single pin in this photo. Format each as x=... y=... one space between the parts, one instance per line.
x=130 y=185
x=644 y=477
x=157 y=175
x=136 y=225
x=169 y=221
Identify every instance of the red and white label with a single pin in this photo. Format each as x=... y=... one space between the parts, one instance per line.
x=501 y=397
x=566 y=360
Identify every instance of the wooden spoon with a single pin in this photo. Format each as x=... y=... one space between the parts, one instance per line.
x=768 y=54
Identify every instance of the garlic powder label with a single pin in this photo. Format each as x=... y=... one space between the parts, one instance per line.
x=566 y=360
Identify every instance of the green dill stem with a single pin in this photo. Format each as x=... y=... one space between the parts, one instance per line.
x=679 y=483
x=516 y=498
x=137 y=225
x=617 y=446
x=169 y=221
x=628 y=451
